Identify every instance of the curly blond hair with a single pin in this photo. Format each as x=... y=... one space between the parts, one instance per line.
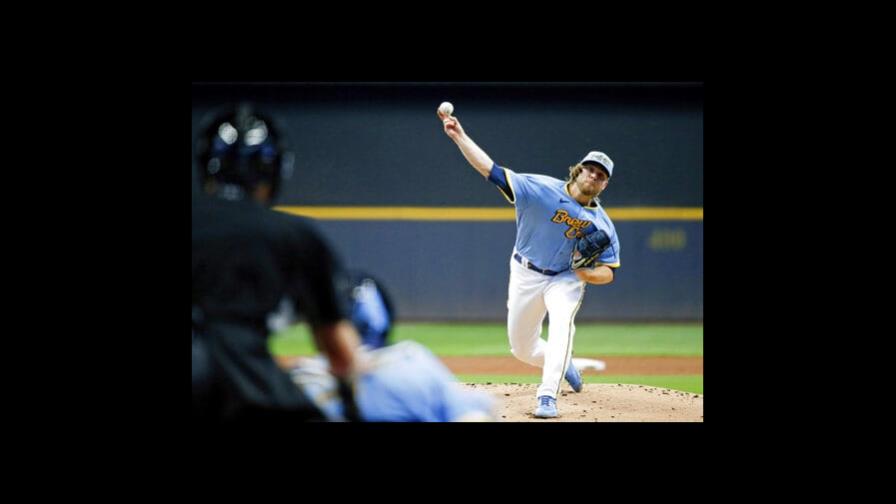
x=574 y=171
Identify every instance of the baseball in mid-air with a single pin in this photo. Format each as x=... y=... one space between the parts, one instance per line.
x=446 y=108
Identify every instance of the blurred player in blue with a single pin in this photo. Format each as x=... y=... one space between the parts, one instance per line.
x=403 y=382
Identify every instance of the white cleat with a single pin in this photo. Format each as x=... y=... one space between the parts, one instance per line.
x=583 y=364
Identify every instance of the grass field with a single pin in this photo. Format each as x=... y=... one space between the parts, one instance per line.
x=601 y=340
x=684 y=340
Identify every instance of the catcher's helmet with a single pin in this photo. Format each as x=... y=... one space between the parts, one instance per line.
x=372 y=311
x=241 y=147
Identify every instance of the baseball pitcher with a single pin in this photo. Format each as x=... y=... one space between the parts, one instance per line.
x=564 y=240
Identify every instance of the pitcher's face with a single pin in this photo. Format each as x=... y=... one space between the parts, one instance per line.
x=592 y=180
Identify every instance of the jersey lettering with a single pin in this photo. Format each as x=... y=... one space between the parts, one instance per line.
x=575 y=225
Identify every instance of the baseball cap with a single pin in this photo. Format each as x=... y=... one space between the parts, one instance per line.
x=600 y=159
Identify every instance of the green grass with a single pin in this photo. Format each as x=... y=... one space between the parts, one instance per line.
x=600 y=340
x=685 y=383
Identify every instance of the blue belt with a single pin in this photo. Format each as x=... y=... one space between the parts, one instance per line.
x=533 y=267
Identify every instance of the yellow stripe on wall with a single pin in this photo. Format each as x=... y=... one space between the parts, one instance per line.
x=477 y=213
x=655 y=213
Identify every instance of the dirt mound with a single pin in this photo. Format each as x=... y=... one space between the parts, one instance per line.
x=598 y=402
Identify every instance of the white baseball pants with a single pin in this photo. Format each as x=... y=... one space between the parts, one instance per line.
x=530 y=296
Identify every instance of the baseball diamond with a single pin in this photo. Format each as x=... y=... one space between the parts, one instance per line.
x=650 y=366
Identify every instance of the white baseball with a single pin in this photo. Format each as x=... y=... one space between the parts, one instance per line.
x=446 y=108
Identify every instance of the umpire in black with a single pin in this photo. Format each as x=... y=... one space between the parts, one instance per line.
x=251 y=266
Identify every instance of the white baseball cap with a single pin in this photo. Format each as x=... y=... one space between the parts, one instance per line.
x=601 y=159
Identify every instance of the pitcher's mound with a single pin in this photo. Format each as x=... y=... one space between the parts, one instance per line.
x=598 y=402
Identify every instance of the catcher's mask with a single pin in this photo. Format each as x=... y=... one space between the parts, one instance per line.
x=239 y=148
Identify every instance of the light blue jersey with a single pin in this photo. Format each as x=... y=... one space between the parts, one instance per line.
x=403 y=382
x=549 y=220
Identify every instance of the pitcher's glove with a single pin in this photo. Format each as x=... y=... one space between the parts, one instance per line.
x=588 y=248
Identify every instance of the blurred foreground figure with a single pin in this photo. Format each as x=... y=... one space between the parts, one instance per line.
x=403 y=382
x=252 y=269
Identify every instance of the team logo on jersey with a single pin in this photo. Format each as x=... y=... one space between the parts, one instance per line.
x=575 y=225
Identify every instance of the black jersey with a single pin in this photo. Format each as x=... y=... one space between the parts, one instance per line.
x=248 y=260
x=248 y=263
